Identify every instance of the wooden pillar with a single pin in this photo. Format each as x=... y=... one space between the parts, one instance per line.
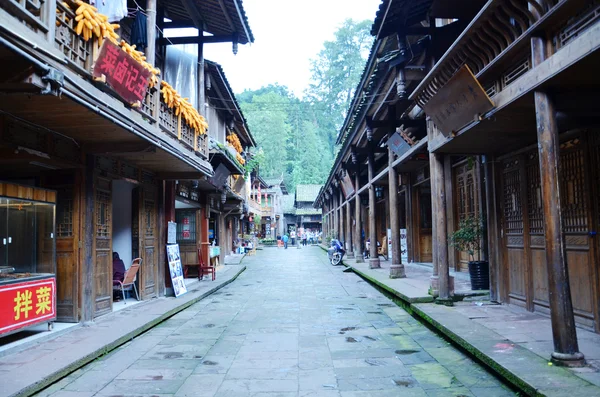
x=151 y=31
x=493 y=227
x=396 y=267
x=349 y=249
x=440 y=236
x=410 y=219
x=373 y=257
x=201 y=77
x=566 y=349
x=341 y=215
x=162 y=239
x=358 y=255
x=87 y=264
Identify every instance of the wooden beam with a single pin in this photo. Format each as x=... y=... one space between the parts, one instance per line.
x=178 y=25
x=196 y=39
x=373 y=256
x=120 y=148
x=190 y=176
x=396 y=268
x=358 y=254
x=194 y=13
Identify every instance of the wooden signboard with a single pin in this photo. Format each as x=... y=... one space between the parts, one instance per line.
x=126 y=76
x=458 y=103
x=398 y=144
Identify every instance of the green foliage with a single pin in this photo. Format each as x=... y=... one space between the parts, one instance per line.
x=298 y=136
x=469 y=236
x=254 y=160
x=268 y=241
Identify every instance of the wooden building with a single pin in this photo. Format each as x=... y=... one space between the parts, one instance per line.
x=114 y=162
x=536 y=137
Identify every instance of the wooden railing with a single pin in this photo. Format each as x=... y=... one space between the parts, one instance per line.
x=78 y=52
x=34 y=13
x=496 y=45
x=81 y=54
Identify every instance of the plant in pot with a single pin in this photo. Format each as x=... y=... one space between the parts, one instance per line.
x=468 y=239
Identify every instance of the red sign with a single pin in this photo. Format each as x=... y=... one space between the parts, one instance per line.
x=126 y=76
x=27 y=303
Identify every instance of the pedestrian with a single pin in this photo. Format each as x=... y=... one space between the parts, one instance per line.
x=285 y=240
x=293 y=237
x=304 y=239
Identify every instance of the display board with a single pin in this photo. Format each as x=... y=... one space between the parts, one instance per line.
x=176 y=269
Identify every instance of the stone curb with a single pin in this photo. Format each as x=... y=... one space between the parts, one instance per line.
x=61 y=373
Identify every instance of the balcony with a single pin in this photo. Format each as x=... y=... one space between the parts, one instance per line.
x=51 y=25
x=497 y=43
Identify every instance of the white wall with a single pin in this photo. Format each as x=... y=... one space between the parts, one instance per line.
x=121 y=201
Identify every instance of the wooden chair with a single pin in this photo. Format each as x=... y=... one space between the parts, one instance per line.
x=202 y=268
x=129 y=279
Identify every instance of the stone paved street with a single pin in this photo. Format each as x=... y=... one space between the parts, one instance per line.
x=290 y=325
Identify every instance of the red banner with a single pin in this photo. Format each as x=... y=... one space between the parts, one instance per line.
x=126 y=76
x=26 y=303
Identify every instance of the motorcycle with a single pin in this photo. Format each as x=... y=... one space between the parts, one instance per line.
x=337 y=252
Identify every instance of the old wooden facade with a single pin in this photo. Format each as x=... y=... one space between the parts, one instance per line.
x=115 y=166
x=504 y=108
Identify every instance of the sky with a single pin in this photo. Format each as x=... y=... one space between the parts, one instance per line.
x=287 y=34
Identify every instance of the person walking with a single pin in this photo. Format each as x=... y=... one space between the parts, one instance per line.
x=285 y=240
x=293 y=237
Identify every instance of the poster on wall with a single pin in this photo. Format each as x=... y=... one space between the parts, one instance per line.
x=185 y=232
x=403 y=246
x=176 y=269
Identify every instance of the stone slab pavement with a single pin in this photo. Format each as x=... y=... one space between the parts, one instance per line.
x=28 y=371
x=513 y=342
x=290 y=325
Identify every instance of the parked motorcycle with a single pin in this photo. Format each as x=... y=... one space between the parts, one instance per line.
x=337 y=252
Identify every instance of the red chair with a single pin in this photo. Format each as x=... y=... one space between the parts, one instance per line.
x=202 y=268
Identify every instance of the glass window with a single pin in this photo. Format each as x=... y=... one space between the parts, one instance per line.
x=186 y=226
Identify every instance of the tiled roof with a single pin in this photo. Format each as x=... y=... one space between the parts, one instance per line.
x=308 y=211
x=307 y=192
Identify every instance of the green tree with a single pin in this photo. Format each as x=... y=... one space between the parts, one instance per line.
x=335 y=74
x=267 y=120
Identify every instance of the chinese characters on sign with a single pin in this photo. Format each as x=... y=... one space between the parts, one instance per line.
x=458 y=103
x=128 y=78
x=26 y=303
x=398 y=144
x=186 y=234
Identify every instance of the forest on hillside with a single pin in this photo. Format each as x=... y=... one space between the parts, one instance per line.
x=297 y=135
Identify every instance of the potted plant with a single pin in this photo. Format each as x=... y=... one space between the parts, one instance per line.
x=468 y=239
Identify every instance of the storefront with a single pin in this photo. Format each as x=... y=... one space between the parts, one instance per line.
x=27 y=257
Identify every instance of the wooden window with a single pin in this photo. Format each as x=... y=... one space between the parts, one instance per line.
x=186 y=226
x=513 y=209
x=64 y=213
x=149 y=218
x=103 y=213
x=534 y=195
x=572 y=185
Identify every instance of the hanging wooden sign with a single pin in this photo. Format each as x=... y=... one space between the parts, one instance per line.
x=398 y=144
x=458 y=103
x=347 y=185
x=126 y=76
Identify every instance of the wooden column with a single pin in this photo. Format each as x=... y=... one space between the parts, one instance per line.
x=410 y=219
x=151 y=31
x=162 y=239
x=201 y=77
x=358 y=255
x=493 y=227
x=87 y=263
x=341 y=215
x=440 y=235
x=349 y=248
x=373 y=257
x=396 y=268
x=566 y=349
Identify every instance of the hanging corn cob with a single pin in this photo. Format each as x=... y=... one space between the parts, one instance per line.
x=141 y=58
x=91 y=23
x=234 y=141
x=183 y=107
x=240 y=159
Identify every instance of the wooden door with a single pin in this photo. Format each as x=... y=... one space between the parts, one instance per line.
x=594 y=164
x=466 y=202
x=513 y=234
x=102 y=247
x=148 y=238
x=67 y=243
x=425 y=241
x=577 y=222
